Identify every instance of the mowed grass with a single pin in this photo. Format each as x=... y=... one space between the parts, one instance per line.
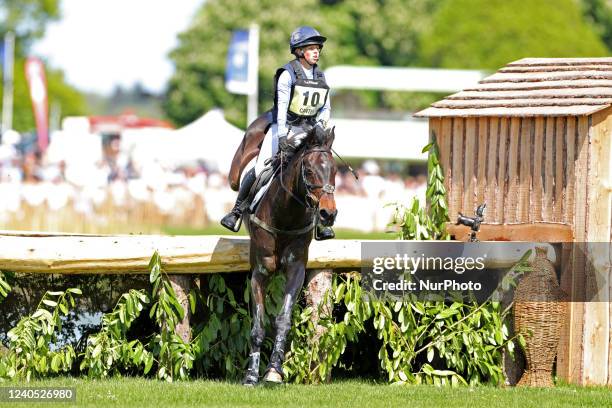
x=133 y=392
x=214 y=229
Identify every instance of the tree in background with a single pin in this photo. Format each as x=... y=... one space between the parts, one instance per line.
x=368 y=32
x=481 y=34
x=599 y=12
x=68 y=99
x=488 y=34
x=198 y=83
x=28 y=19
x=379 y=33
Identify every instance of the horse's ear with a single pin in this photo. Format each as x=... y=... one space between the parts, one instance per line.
x=331 y=135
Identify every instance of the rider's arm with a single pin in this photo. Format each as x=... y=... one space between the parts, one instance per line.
x=284 y=93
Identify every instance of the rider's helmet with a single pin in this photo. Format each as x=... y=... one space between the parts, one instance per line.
x=303 y=36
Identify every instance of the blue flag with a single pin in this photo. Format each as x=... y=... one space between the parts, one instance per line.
x=237 y=68
x=2 y=55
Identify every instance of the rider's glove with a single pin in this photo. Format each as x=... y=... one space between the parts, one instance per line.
x=284 y=145
x=319 y=130
x=306 y=127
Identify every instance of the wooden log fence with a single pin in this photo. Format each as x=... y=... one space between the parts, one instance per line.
x=126 y=254
x=181 y=256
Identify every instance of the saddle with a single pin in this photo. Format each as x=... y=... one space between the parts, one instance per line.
x=261 y=184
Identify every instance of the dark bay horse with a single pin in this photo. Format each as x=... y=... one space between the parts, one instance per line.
x=281 y=229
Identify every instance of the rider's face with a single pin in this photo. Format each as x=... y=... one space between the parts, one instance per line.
x=311 y=53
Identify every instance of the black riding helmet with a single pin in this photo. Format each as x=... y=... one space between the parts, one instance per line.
x=303 y=36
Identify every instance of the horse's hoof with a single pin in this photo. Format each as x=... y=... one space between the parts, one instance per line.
x=272 y=376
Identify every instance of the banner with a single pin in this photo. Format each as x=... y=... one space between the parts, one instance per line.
x=238 y=77
x=37 y=84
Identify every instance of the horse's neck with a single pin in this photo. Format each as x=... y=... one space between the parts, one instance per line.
x=285 y=208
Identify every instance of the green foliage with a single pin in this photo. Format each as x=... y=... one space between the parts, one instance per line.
x=488 y=34
x=599 y=12
x=416 y=222
x=421 y=342
x=174 y=356
x=110 y=347
x=222 y=344
x=5 y=284
x=311 y=358
x=30 y=349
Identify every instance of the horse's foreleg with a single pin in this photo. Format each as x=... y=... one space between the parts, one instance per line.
x=295 y=281
x=258 y=287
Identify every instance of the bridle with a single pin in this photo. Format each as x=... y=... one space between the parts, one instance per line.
x=311 y=201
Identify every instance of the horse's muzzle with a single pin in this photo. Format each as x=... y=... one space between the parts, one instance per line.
x=327 y=217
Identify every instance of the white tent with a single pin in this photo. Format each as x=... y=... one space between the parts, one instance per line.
x=210 y=138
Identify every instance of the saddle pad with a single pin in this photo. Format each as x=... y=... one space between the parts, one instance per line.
x=261 y=185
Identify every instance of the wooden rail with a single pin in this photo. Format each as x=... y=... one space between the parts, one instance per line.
x=126 y=254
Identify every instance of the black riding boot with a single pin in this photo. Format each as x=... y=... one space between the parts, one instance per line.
x=231 y=219
x=322 y=233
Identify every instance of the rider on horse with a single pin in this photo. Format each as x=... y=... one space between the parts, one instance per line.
x=301 y=104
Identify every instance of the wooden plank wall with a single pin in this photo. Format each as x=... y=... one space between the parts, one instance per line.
x=544 y=170
x=570 y=362
x=522 y=167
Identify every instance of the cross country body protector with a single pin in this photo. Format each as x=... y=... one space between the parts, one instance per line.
x=308 y=96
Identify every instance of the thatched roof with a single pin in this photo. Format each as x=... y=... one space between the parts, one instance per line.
x=534 y=87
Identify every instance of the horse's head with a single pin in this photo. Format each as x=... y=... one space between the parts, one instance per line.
x=318 y=172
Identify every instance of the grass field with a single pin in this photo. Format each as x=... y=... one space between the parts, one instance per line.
x=354 y=394
x=219 y=230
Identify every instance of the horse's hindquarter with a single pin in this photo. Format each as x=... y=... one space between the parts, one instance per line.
x=249 y=148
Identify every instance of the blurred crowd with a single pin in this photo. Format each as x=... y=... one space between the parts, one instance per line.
x=114 y=185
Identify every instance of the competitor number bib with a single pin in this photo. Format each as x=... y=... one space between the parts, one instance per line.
x=308 y=97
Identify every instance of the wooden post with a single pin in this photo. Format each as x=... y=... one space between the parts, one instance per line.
x=319 y=281
x=182 y=285
x=596 y=333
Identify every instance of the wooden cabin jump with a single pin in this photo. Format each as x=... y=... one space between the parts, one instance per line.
x=533 y=142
